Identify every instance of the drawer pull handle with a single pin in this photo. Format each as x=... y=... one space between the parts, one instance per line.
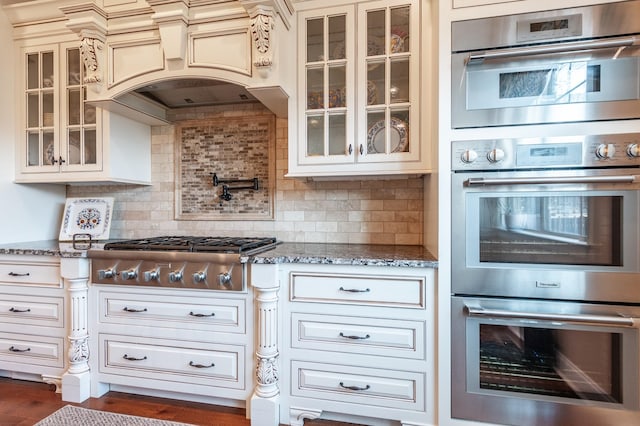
x=193 y=364
x=355 y=290
x=212 y=314
x=354 y=388
x=134 y=310
x=19 y=310
x=14 y=349
x=131 y=358
x=354 y=337
x=14 y=274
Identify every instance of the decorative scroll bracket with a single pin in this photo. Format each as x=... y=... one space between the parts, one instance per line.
x=262 y=25
x=90 y=23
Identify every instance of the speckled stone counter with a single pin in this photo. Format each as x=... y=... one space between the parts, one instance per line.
x=310 y=253
x=44 y=248
x=348 y=254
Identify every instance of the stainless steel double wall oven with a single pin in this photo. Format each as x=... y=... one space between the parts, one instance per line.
x=546 y=280
x=545 y=229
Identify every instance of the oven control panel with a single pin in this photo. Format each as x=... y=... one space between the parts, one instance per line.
x=617 y=150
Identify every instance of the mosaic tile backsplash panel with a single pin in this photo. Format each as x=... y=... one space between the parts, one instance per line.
x=234 y=148
x=350 y=210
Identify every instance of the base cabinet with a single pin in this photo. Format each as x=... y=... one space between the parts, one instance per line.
x=176 y=343
x=358 y=344
x=32 y=319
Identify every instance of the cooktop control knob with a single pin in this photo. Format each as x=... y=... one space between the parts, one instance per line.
x=469 y=156
x=152 y=275
x=199 y=277
x=495 y=155
x=633 y=150
x=105 y=274
x=175 y=276
x=605 y=150
x=225 y=279
x=130 y=274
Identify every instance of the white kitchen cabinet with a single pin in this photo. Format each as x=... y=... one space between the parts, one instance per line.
x=358 y=344
x=358 y=99
x=32 y=319
x=178 y=343
x=61 y=138
x=469 y=3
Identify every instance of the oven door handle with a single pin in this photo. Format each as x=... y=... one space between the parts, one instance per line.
x=620 y=43
x=550 y=180
x=600 y=320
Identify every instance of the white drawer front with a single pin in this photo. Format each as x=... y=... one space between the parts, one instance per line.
x=372 y=336
x=36 y=350
x=357 y=385
x=30 y=273
x=358 y=289
x=174 y=361
x=32 y=310
x=193 y=313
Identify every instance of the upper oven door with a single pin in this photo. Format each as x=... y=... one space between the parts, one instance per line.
x=565 y=82
x=558 y=234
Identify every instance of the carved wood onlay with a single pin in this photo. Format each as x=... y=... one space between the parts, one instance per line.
x=297 y=415
x=78 y=336
x=53 y=380
x=262 y=25
x=90 y=23
x=89 y=51
x=267 y=356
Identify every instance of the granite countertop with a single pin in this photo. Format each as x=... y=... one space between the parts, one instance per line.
x=348 y=254
x=310 y=253
x=45 y=248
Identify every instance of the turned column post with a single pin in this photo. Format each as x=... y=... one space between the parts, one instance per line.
x=76 y=380
x=265 y=401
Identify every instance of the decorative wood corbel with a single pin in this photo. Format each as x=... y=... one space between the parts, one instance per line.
x=89 y=48
x=90 y=23
x=262 y=24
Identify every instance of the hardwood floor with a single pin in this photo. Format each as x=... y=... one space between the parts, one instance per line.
x=24 y=403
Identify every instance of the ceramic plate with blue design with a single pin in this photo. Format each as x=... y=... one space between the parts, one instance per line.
x=87 y=216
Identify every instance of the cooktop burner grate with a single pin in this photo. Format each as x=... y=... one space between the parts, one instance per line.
x=194 y=244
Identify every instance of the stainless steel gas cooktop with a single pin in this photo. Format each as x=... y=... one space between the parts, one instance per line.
x=210 y=263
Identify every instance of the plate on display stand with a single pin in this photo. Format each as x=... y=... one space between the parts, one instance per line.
x=90 y=217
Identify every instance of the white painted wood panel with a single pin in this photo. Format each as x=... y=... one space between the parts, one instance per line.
x=371 y=290
x=360 y=335
x=386 y=388
x=230 y=50
x=133 y=58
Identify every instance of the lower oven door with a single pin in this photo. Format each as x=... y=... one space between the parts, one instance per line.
x=530 y=362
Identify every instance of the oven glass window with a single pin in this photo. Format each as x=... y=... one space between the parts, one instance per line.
x=563 y=83
x=571 y=230
x=560 y=363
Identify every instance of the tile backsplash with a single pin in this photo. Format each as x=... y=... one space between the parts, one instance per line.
x=238 y=151
x=374 y=211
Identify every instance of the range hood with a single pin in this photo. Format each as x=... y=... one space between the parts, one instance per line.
x=193 y=92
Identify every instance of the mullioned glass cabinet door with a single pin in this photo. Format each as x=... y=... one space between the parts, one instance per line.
x=80 y=117
x=389 y=64
x=60 y=128
x=328 y=95
x=41 y=113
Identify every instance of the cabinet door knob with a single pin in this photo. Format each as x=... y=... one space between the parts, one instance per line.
x=350 y=149
x=361 y=149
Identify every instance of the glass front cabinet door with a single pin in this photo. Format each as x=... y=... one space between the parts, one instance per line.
x=60 y=131
x=358 y=91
